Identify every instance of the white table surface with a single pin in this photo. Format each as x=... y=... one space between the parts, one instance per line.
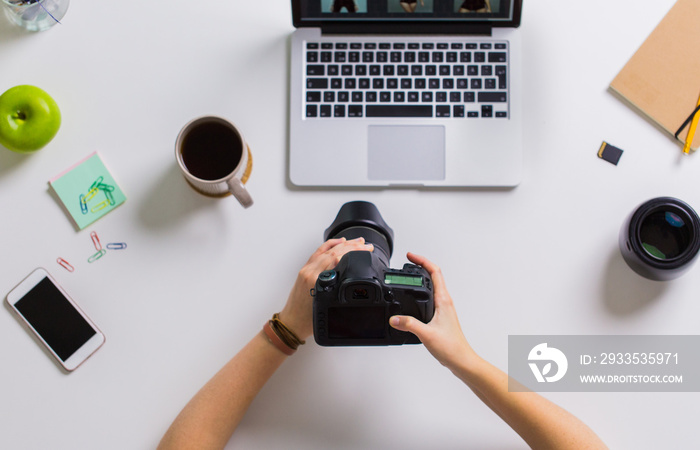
x=200 y=276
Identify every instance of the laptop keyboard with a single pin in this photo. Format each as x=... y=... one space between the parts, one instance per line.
x=398 y=79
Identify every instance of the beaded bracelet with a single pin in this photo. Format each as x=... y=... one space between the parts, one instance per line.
x=281 y=336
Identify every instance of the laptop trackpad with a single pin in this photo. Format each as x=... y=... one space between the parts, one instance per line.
x=398 y=152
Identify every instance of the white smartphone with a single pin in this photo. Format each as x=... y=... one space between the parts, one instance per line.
x=57 y=321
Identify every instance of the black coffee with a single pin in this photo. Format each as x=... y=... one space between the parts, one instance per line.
x=211 y=150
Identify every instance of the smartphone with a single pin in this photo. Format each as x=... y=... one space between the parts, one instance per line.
x=55 y=319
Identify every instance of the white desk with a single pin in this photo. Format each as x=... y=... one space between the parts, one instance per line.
x=200 y=276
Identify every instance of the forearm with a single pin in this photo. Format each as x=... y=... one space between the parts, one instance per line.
x=213 y=414
x=541 y=423
x=215 y=411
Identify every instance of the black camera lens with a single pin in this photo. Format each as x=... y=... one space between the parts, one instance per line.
x=362 y=219
x=665 y=235
x=661 y=238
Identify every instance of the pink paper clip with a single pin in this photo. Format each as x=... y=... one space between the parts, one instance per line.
x=65 y=264
x=96 y=241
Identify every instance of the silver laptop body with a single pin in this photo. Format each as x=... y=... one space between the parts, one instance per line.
x=354 y=122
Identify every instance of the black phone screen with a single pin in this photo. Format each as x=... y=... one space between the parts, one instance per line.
x=55 y=319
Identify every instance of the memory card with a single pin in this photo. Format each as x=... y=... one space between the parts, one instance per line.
x=610 y=153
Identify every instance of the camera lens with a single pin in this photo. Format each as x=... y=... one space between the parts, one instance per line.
x=660 y=240
x=362 y=219
x=664 y=235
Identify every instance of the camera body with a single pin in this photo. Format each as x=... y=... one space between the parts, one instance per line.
x=354 y=301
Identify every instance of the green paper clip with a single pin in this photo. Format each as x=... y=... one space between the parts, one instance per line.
x=97 y=183
x=105 y=187
x=110 y=197
x=97 y=256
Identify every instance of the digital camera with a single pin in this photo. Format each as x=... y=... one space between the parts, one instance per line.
x=353 y=302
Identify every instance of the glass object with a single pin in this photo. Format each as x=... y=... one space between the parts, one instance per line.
x=35 y=15
x=660 y=240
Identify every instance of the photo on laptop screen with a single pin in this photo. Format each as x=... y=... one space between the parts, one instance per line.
x=410 y=6
x=344 y=6
x=448 y=10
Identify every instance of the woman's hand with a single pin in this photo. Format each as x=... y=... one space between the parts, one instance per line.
x=442 y=336
x=297 y=313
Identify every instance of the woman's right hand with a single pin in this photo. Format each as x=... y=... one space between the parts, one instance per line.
x=443 y=335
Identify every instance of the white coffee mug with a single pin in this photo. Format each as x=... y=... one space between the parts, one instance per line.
x=215 y=158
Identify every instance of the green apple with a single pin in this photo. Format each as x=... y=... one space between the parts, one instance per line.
x=29 y=119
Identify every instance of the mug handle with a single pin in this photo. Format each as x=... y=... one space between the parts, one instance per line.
x=240 y=192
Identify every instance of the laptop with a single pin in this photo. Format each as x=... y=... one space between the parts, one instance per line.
x=405 y=93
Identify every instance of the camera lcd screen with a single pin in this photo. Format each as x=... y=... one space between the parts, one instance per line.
x=58 y=323
x=356 y=323
x=402 y=279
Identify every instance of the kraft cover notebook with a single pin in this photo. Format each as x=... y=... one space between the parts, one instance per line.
x=662 y=79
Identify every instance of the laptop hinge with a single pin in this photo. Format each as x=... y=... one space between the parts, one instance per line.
x=482 y=29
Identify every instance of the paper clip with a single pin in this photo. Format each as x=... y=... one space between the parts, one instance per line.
x=65 y=264
x=83 y=205
x=96 y=241
x=97 y=183
x=110 y=197
x=99 y=206
x=105 y=187
x=97 y=256
x=116 y=246
x=91 y=193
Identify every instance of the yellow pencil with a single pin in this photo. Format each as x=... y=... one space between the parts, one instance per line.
x=691 y=130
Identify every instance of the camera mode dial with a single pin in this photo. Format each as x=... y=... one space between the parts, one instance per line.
x=328 y=277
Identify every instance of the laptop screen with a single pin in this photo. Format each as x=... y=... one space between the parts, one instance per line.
x=496 y=12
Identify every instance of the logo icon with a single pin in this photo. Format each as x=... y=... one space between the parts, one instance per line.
x=541 y=352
